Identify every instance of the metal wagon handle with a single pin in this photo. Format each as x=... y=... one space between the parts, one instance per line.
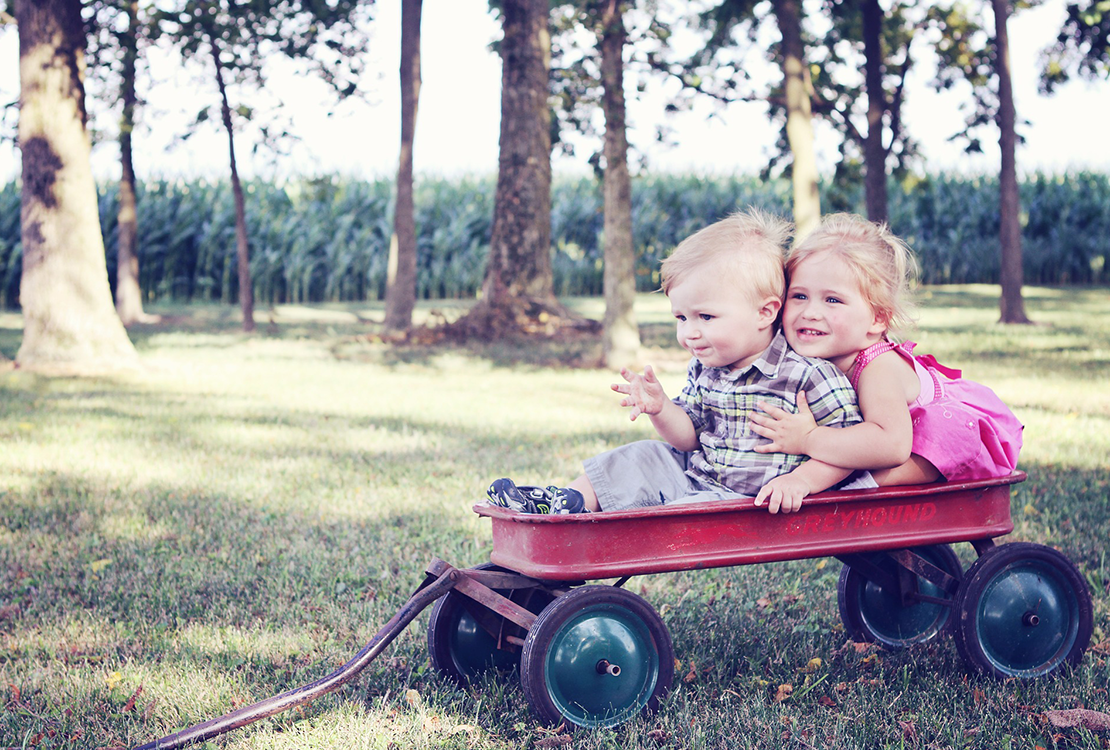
x=440 y=579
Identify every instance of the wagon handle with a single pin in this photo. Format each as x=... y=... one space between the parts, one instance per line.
x=440 y=579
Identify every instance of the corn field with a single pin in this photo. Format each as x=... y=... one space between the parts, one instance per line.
x=327 y=239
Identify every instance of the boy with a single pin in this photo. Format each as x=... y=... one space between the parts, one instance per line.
x=725 y=284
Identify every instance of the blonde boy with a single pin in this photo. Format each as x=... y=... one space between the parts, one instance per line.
x=725 y=285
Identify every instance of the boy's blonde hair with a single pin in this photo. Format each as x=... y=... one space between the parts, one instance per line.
x=750 y=245
x=883 y=264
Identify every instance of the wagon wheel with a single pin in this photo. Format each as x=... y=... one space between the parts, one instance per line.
x=876 y=614
x=596 y=657
x=460 y=648
x=1023 y=611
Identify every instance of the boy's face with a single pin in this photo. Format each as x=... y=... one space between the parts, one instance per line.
x=717 y=320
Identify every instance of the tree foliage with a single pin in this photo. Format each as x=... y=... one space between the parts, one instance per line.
x=1081 y=48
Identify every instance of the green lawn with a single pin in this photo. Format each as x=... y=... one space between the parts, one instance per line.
x=242 y=516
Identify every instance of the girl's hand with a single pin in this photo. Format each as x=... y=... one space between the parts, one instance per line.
x=785 y=492
x=643 y=393
x=787 y=432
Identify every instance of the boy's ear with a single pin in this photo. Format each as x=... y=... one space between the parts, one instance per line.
x=769 y=310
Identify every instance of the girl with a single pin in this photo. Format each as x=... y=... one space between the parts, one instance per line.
x=848 y=283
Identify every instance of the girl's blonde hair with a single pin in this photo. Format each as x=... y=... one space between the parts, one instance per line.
x=882 y=263
x=750 y=245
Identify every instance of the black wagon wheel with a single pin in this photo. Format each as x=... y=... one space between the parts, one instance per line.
x=1023 y=611
x=462 y=649
x=596 y=657
x=877 y=613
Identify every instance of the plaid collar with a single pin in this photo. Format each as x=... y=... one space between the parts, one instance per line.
x=767 y=363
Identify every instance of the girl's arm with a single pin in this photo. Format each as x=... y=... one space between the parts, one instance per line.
x=786 y=491
x=644 y=395
x=881 y=441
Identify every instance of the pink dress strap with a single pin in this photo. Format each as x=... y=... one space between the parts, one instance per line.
x=864 y=358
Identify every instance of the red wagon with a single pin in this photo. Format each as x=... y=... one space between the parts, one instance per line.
x=597 y=655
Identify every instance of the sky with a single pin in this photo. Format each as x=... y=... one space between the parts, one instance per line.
x=459 y=111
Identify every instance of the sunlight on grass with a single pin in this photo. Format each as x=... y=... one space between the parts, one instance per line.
x=242 y=516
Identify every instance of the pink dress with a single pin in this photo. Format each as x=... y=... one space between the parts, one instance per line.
x=959 y=426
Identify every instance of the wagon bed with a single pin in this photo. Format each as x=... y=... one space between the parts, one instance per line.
x=721 y=533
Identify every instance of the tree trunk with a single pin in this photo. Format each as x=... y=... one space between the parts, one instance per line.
x=69 y=324
x=799 y=117
x=400 y=295
x=129 y=297
x=620 y=335
x=1009 y=209
x=518 y=295
x=242 y=242
x=874 y=154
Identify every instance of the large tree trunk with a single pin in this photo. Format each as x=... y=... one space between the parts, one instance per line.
x=620 y=335
x=1011 y=304
x=518 y=294
x=799 y=117
x=69 y=324
x=874 y=154
x=400 y=295
x=520 y=242
x=242 y=241
x=129 y=297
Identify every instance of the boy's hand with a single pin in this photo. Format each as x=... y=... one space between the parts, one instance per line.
x=785 y=492
x=787 y=432
x=643 y=393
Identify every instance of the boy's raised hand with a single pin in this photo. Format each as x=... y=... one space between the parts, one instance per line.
x=643 y=393
x=787 y=432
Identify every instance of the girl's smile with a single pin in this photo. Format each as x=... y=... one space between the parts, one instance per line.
x=826 y=314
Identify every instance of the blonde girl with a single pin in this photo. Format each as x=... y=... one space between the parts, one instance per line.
x=848 y=294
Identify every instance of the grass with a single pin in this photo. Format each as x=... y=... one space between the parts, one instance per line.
x=243 y=515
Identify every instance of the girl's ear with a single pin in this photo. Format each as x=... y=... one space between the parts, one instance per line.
x=879 y=325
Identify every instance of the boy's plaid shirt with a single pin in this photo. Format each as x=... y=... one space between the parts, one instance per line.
x=720 y=403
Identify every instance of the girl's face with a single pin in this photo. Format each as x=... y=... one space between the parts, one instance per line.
x=826 y=314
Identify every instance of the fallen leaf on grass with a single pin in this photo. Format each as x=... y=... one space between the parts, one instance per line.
x=557 y=741
x=659 y=735
x=692 y=674
x=113 y=680
x=130 y=705
x=813 y=664
x=783 y=693
x=909 y=731
x=826 y=701
x=1095 y=721
x=412 y=697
